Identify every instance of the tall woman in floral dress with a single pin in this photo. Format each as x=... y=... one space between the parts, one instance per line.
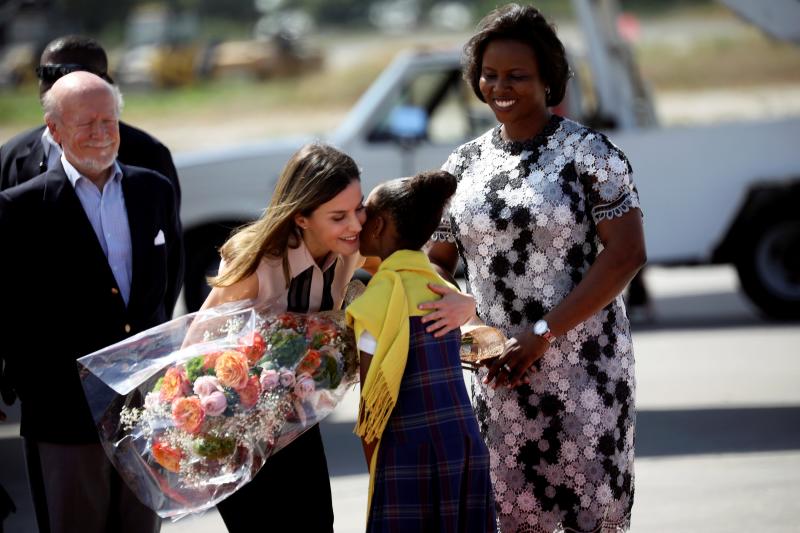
x=547 y=220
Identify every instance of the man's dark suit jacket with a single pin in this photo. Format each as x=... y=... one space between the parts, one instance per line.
x=22 y=157
x=60 y=300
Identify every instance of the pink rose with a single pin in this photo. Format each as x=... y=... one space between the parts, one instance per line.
x=214 y=404
x=205 y=385
x=287 y=378
x=304 y=386
x=269 y=379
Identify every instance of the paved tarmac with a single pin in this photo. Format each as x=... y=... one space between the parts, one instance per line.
x=718 y=421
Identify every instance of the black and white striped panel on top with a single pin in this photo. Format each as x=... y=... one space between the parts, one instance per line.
x=299 y=295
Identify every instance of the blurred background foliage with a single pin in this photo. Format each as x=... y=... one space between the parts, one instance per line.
x=225 y=18
x=274 y=67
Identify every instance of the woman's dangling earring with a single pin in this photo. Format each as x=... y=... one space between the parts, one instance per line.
x=547 y=92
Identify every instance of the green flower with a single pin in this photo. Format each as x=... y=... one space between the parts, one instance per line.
x=195 y=369
x=288 y=348
x=330 y=370
x=213 y=447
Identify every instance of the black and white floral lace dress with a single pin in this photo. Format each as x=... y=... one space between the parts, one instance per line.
x=524 y=220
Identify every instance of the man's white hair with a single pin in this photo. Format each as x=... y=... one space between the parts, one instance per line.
x=52 y=106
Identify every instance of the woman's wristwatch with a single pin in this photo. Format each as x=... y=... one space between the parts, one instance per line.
x=542 y=329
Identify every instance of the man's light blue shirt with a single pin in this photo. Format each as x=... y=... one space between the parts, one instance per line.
x=109 y=218
x=52 y=151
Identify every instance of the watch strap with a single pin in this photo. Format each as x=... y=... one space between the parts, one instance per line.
x=548 y=336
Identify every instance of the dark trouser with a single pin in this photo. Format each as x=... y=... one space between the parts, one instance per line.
x=36 y=482
x=78 y=490
x=6 y=506
x=291 y=492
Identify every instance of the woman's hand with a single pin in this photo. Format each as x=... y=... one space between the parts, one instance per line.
x=512 y=367
x=450 y=312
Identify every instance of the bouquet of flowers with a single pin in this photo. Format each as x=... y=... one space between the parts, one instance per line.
x=190 y=410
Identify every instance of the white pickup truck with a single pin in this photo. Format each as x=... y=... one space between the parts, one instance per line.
x=727 y=193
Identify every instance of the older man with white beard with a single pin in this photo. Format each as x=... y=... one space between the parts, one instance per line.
x=92 y=255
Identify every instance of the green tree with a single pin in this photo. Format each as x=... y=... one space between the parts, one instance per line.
x=95 y=15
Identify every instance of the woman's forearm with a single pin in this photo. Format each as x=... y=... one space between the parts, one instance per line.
x=608 y=276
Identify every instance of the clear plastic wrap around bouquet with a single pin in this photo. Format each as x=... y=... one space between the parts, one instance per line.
x=190 y=410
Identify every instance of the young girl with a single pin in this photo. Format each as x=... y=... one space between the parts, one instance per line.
x=429 y=467
x=302 y=252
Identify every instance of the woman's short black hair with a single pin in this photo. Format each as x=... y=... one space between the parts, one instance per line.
x=416 y=205
x=527 y=25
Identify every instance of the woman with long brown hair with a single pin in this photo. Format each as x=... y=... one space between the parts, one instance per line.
x=299 y=256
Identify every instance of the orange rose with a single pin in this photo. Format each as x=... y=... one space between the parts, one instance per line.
x=174 y=385
x=321 y=329
x=231 y=369
x=248 y=395
x=252 y=350
x=287 y=320
x=310 y=362
x=188 y=413
x=210 y=360
x=167 y=456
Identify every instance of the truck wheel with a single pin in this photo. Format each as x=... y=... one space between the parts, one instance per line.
x=769 y=264
x=202 y=260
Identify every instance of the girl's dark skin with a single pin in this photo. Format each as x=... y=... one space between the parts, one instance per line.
x=379 y=238
x=511 y=85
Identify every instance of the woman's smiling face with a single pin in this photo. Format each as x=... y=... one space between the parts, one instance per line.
x=511 y=85
x=335 y=226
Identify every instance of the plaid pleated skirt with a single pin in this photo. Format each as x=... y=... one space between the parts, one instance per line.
x=432 y=472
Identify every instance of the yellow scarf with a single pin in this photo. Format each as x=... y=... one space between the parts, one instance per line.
x=392 y=297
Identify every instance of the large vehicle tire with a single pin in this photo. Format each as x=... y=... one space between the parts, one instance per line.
x=768 y=262
x=202 y=260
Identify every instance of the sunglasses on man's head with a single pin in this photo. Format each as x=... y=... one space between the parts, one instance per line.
x=51 y=73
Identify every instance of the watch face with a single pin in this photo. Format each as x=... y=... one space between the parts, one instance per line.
x=540 y=327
